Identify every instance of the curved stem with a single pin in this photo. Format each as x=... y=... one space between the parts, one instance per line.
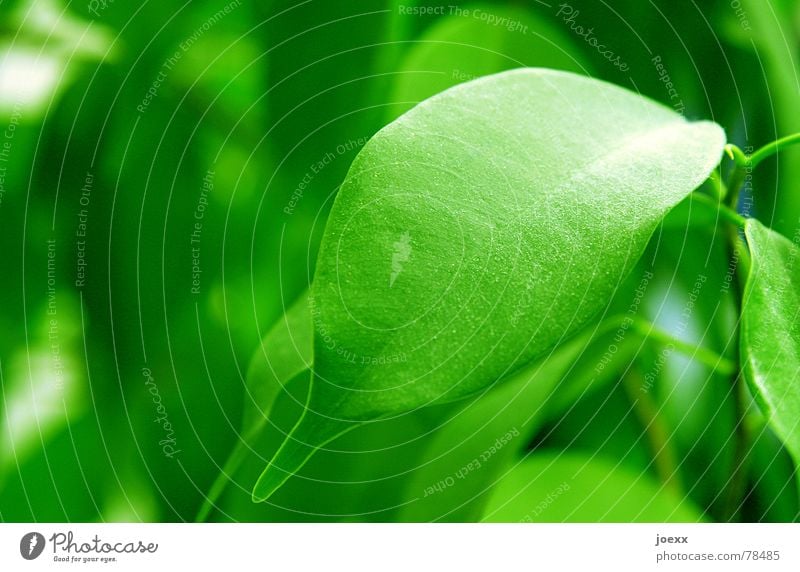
x=648 y=330
x=725 y=212
x=772 y=148
x=746 y=163
x=737 y=155
x=719 y=186
x=741 y=167
x=665 y=460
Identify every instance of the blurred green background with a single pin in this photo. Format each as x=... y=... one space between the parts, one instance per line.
x=166 y=170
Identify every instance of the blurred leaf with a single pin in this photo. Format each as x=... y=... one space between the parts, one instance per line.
x=776 y=43
x=770 y=335
x=465 y=455
x=224 y=77
x=42 y=386
x=462 y=47
x=405 y=256
x=41 y=59
x=569 y=487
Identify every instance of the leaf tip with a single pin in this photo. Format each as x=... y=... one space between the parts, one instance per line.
x=287 y=460
x=309 y=434
x=271 y=479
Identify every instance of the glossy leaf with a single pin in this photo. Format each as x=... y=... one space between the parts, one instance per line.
x=770 y=336
x=477 y=231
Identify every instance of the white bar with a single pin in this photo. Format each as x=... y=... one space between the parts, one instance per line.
x=410 y=547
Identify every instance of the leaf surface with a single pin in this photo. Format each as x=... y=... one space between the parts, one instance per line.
x=571 y=487
x=770 y=335
x=477 y=231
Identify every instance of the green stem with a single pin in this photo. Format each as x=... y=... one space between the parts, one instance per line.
x=742 y=447
x=646 y=410
x=772 y=148
x=720 y=188
x=736 y=484
x=648 y=330
x=723 y=211
x=744 y=164
x=698 y=353
x=737 y=176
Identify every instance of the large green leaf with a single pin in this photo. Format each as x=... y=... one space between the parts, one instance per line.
x=478 y=230
x=570 y=487
x=770 y=338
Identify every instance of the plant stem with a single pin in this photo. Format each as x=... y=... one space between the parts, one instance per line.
x=738 y=481
x=664 y=457
x=698 y=353
x=648 y=330
x=736 y=484
x=723 y=211
x=772 y=148
x=720 y=188
x=744 y=164
x=737 y=176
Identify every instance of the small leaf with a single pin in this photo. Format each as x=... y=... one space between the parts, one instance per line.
x=477 y=231
x=770 y=335
x=286 y=351
x=571 y=487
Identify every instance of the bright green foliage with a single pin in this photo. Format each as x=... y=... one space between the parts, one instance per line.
x=770 y=336
x=458 y=49
x=561 y=487
x=169 y=173
x=519 y=227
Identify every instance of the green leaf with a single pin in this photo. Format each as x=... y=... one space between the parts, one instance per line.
x=477 y=231
x=570 y=487
x=286 y=352
x=774 y=494
x=770 y=334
